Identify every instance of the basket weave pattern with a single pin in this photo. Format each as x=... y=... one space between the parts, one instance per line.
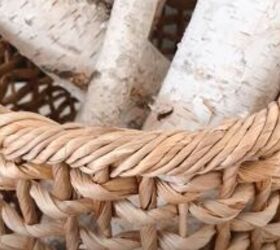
x=24 y=87
x=213 y=189
x=239 y=161
x=169 y=30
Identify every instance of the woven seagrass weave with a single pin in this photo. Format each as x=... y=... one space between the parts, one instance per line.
x=169 y=30
x=24 y=87
x=223 y=180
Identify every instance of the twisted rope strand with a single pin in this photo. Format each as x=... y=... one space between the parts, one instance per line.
x=140 y=153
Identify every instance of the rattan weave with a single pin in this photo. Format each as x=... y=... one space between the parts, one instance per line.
x=217 y=188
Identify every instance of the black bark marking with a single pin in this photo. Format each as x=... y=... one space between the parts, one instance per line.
x=163 y=115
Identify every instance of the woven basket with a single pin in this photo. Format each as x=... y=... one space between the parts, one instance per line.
x=224 y=180
x=25 y=87
x=169 y=29
x=213 y=189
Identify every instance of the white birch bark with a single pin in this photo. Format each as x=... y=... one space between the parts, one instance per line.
x=118 y=89
x=227 y=65
x=64 y=38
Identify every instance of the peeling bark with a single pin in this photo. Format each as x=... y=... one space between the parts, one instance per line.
x=122 y=82
x=227 y=65
x=61 y=37
x=64 y=38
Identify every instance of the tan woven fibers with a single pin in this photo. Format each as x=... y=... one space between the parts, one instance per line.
x=228 y=176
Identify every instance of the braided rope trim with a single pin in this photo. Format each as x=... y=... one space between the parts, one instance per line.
x=38 y=140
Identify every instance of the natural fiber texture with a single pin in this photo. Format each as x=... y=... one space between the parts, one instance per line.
x=217 y=188
x=24 y=87
x=223 y=180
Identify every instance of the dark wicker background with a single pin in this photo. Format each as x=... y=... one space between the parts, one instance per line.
x=171 y=26
x=24 y=87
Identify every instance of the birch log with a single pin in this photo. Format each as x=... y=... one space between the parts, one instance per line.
x=227 y=65
x=120 y=78
x=64 y=38
x=61 y=37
